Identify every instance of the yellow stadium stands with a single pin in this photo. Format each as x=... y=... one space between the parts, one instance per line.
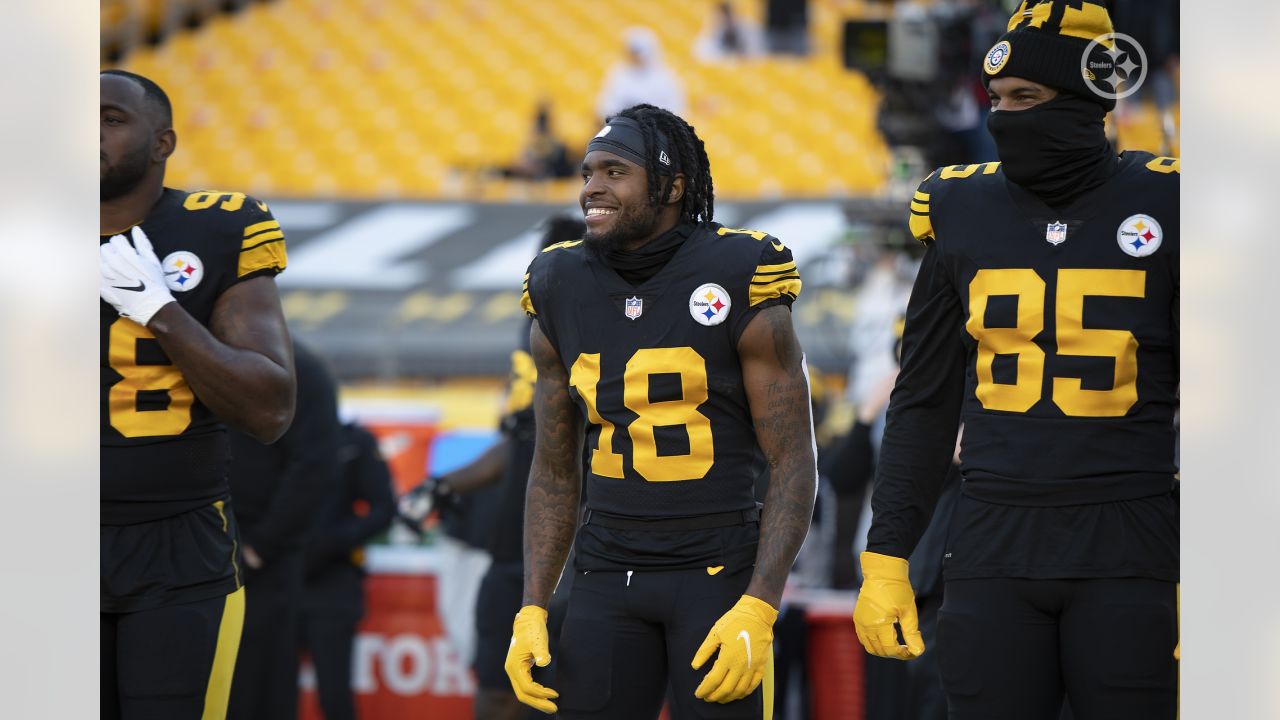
x=411 y=98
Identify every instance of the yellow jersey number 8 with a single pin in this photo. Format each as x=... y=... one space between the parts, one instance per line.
x=122 y=399
x=646 y=362
x=1073 y=339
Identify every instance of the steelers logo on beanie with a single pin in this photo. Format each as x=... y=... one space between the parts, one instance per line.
x=1045 y=41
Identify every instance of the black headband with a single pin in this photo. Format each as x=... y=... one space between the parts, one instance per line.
x=623 y=137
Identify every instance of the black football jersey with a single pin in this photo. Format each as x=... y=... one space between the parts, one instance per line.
x=654 y=368
x=1070 y=331
x=1053 y=336
x=163 y=452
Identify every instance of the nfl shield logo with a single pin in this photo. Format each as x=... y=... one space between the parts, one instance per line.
x=635 y=306
x=1056 y=233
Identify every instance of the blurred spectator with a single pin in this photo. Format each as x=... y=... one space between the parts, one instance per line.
x=279 y=491
x=642 y=77
x=544 y=156
x=729 y=36
x=360 y=506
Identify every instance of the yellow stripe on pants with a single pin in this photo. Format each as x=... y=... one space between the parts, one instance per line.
x=766 y=686
x=218 y=691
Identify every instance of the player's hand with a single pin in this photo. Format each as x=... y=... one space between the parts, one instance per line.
x=132 y=277
x=886 y=598
x=744 y=636
x=529 y=646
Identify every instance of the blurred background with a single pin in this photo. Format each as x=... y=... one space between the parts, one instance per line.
x=411 y=150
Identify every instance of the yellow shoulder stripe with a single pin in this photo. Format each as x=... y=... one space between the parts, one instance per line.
x=261 y=239
x=773 y=269
x=921 y=197
x=259 y=227
x=1166 y=165
x=269 y=255
x=786 y=286
x=755 y=234
x=562 y=245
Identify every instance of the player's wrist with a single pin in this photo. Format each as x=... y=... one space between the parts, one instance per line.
x=874 y=563
x=151 y=307
x=761 y=609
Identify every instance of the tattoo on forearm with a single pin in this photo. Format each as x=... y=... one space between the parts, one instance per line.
x=784 y=430
x=551 y=503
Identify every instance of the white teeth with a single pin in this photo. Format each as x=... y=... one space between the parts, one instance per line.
x=599 y=211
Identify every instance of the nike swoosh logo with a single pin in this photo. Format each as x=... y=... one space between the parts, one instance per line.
x=779 y=246
x=137 y=288
x=715 y=569
x=745 y=637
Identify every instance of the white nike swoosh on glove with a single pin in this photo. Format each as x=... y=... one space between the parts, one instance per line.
x=745 y=637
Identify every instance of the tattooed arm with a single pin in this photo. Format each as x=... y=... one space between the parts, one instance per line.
x=555 y=480
x=778 y=392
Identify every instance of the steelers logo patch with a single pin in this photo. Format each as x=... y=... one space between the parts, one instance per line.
x=709 y=304
x=1140 y=235
x=182 y=270
x=996 y=58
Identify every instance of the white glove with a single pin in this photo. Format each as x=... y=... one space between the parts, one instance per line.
x=132 y=277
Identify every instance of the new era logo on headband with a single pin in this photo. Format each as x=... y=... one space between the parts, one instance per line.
x=605 y=131
x=662 y=157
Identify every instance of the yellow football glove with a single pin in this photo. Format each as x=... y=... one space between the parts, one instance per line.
x=529 y=646
x=886 y=597
x=744 y=636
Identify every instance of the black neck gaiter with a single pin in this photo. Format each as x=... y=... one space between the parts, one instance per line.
x=1057 y=150
x=638 y=266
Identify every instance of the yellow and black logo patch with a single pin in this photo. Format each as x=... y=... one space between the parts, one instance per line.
x=997 y=57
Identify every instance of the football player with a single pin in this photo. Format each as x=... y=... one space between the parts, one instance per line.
x=668 y=339
x=1045 y=314
x=192 y=337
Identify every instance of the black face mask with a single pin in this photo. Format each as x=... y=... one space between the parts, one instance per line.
x=1058 y=150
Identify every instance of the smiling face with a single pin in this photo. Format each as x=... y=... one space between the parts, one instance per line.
x=615 y=203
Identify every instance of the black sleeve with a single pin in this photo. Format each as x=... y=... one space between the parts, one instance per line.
x=311 y=469
x=924 y=414
x=371 y=481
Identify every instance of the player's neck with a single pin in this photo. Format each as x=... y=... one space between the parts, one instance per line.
x=665 y=225
x=131 y=208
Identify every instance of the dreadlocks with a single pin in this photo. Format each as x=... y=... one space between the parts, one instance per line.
x=698 y=204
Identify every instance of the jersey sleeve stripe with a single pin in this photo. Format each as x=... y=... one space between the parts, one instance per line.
x=760 y=293
x=261 y=240
x=766 y=269
x=526 y=303
x=259 y=227
x=921 y=197
x=267 y=256
x=921 y=226
x=919 y=207
x=772 y=275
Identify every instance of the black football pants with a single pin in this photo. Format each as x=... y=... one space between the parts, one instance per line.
x=626 y=637
x=170 y=663
x=1010 y=648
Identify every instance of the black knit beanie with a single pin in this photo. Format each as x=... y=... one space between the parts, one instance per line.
x=1045 y=42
